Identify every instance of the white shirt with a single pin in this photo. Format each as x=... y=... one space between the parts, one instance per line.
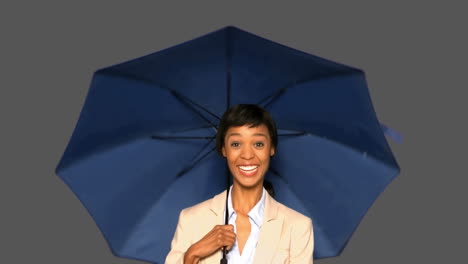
x=256 y=219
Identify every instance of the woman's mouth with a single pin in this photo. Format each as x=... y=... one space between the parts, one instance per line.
x=248 y=170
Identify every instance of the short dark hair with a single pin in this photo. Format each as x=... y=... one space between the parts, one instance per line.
x=245 y=114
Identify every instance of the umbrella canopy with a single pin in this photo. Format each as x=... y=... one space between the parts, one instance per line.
x=143 y=148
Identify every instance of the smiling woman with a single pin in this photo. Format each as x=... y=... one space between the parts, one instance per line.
x=247 y=151
x=260 y=229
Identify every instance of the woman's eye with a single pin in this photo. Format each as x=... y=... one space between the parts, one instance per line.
x=259 y=144
x=235 y=144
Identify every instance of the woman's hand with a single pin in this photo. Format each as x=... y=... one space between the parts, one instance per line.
x=217 y=238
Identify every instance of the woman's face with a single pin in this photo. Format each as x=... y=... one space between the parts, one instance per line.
x=248 y=151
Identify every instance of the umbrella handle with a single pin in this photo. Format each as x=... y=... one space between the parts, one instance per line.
x=224 y=259
x=226 y=216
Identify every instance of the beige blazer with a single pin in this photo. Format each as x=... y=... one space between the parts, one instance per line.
x=286 y=236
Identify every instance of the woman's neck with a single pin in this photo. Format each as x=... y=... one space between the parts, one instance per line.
x=243 y=200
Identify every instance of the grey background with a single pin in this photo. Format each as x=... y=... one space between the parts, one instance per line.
x=414 y=54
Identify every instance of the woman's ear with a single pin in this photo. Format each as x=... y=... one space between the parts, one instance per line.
x=272 y=151
x=223 y=151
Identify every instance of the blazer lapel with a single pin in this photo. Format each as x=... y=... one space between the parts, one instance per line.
x=270 y=232
x=217 y=207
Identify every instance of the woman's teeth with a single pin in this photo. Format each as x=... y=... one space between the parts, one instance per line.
x=248 y=168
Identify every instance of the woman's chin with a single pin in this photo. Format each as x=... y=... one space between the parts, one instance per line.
x=249 y=182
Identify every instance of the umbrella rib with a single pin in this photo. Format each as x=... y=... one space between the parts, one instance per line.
x=186 y=169
x=302 y=133
x=175 y=138
x=196 y=104
x=189 y=102
x=273 y=97
x=184 y=137
x=274 y=171
x=204 y=147
x=177 y=95
x=228 y=71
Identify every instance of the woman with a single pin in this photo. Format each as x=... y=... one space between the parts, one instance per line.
x=260 y=229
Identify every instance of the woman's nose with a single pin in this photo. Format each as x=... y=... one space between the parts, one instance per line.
x=247 y=152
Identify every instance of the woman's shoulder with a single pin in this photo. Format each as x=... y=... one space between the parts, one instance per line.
x=292 y=215
x=198 y=208
x=202 y=208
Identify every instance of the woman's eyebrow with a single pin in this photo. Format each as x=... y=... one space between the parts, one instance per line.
x=256 y=134
x=260 y=134
x=234 y=134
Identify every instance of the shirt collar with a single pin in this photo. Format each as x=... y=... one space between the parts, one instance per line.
x=256 y=213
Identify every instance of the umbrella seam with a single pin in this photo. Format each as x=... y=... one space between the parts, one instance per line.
x=173 y=92
x=268 y=100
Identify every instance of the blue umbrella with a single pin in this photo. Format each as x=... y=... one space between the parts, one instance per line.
x=143 y=147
